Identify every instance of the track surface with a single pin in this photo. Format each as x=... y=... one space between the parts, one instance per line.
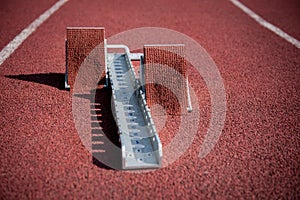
x=257 y=155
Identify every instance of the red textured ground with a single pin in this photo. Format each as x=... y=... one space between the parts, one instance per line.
x=257 y=155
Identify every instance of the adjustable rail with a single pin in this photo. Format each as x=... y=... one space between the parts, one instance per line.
x=141 y=146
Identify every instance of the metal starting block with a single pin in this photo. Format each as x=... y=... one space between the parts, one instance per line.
x=131 y=97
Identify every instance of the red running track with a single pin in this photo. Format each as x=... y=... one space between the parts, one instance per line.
x=257 y=155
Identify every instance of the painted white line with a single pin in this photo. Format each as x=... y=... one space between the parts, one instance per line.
x=19 y=39
x=266 y=24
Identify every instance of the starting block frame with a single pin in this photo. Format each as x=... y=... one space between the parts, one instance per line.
x=140 y=144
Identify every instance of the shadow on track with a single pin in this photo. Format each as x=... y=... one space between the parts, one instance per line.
x=102 y=114
x=51 y=79
x=104 y=131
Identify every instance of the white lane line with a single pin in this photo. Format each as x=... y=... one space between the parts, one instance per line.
x=266 y=24
x=19 y=39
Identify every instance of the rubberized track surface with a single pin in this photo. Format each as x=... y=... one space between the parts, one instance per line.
x=257 y=155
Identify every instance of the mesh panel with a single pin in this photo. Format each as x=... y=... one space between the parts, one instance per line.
x=80 y=42
x=165 y=77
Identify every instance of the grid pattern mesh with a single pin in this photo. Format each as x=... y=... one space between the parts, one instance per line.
x=80 y=42
x=165 y=77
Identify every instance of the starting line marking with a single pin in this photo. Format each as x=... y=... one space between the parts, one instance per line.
x=266 y=24
x=19 y=39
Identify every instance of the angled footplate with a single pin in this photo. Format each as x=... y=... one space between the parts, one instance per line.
x=165 y=71
x=80 y=42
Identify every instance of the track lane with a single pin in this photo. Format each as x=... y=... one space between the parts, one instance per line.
x=16 y=15
x=283 y=14
x=257 y=152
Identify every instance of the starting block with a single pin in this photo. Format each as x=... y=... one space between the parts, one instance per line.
x=162 y=79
